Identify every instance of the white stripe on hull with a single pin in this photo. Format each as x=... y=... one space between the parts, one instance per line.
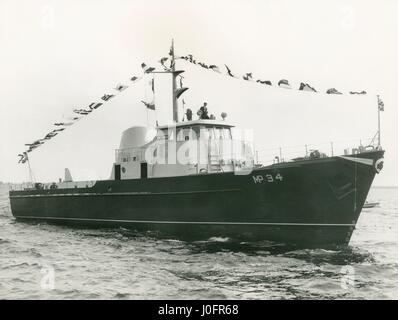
x=365 y=161
x=195 y=222
x=88 y=194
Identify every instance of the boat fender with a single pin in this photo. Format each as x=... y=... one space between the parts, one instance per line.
x=379 y=165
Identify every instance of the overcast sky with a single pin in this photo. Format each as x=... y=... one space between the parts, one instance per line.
x=59 y=55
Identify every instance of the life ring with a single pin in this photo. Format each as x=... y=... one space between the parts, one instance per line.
x=379 y=165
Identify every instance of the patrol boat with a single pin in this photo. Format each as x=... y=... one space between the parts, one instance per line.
x=197 y=179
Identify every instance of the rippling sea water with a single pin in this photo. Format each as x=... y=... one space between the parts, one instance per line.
x=123 y=264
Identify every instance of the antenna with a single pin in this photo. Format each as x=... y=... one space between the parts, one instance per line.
x=175 y=102
x=176 y=92
x=378 y=121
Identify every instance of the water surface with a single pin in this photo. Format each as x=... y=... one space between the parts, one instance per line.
x=123 y=264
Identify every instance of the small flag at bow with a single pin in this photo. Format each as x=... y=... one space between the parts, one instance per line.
x=380 y=104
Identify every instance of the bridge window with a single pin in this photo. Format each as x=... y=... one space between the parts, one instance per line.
x=218 y=133
x=204 y=133
x=195 y=133
x=226 y=133
x=171 y=132
x=186 y=134
x=212 y=134
x=180 y=135
x=207 y=133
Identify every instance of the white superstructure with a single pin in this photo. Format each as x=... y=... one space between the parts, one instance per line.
x=192 y=147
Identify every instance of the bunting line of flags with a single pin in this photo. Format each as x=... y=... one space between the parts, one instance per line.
x=78 y=115
x=163 y=61
x=120 y=87
x=283 y=83
x=149 y=105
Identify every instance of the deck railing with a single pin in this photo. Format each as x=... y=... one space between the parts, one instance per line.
x=315 y=150
x=246 y=157
x=50 y=185
x=217 y=148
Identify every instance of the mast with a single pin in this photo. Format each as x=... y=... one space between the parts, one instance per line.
x=378 y=121
x=176 y=92
x=30 y=170
x=173 y=71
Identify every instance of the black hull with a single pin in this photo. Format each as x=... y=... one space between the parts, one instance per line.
x=310 y=202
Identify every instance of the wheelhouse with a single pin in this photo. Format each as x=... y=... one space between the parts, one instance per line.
x=185 y=148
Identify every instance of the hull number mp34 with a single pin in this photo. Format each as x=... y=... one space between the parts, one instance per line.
x=267 y=178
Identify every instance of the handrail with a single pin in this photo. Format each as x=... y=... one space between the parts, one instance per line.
x=216 y=147
x=303 y=152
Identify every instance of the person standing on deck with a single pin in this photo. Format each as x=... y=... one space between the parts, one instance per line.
x=203 y=113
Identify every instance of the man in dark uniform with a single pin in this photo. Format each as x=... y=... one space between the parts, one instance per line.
x=203 y=113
